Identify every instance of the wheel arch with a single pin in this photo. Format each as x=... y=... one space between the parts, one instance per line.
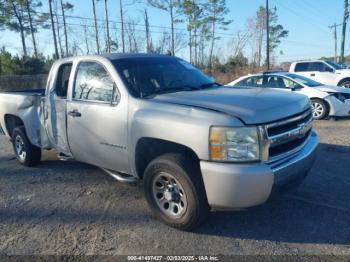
x=11 y=122
x=148 y=148
x=328 y=105
x=343 y=80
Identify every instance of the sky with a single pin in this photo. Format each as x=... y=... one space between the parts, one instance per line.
x=307 y=21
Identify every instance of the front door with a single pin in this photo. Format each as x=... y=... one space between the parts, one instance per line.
x=97 y=119
x=55 y=109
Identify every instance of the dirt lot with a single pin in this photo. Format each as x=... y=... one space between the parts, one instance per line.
x=72 y=208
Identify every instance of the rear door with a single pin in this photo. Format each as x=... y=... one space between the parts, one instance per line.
x=97 y=118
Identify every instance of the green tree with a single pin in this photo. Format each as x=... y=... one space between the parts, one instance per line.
x=65 y=6
x=5 y=62
x=217 y=11
x=276 y=31
x=21 y=16
x=193 y=12
x=14 y=19
x=171 y=7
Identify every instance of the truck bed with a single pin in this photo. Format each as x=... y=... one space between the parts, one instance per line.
x=25 y=92
x=23 y=105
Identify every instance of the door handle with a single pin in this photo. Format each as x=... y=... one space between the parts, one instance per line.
x=312 y=74
x=74 y=113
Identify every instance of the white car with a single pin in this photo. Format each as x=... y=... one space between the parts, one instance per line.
x=325 y=72
x=327 y=101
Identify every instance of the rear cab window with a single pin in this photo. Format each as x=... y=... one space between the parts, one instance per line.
x=312 y=67
x=62 y=81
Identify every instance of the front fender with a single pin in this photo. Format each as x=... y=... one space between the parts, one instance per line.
x=182 y=125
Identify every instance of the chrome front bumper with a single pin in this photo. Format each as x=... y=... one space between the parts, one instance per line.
x=230 y=186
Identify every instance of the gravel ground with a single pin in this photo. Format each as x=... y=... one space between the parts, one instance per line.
x=65 y=208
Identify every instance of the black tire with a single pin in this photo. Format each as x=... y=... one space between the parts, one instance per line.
x=187 y=173
x=320 y=108
x=345 y=83
x=32 y=154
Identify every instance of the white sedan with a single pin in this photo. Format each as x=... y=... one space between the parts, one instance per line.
x=327 y=101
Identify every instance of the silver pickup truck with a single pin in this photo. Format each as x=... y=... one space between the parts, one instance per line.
x=196 y=145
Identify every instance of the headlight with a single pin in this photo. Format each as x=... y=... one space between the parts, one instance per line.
x=234 y=144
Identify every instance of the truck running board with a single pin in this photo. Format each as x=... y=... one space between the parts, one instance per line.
x=121 y=177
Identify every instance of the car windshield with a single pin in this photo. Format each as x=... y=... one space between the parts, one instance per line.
x=149 y=76
x=304 y=80
x=335 y=65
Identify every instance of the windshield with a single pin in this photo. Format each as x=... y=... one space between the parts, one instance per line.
x=147 y=76
x=304 y=80
x=335 y=65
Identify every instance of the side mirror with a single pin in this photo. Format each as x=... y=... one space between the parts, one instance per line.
x=296 y=87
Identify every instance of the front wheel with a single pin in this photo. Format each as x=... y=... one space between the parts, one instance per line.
x=319 y=109
x=26 y=153
x=175 y=192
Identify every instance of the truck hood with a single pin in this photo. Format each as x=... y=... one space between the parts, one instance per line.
x=333 y=89
x=250 y=105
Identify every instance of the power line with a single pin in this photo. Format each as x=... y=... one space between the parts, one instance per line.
x=300 y=16
x=317 y=12
x=314 y=8
x=127 y=23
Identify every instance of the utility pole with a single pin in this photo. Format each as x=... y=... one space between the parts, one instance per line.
x=334 y=27
x=267 y=36
x=345 y=21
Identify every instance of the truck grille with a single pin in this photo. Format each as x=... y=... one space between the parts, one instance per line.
x=288 y=136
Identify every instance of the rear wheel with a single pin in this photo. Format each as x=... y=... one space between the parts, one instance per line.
x=26 y=153
x=175 y=192
x=319 y=109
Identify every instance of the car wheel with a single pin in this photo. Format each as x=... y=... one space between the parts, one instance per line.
x=26 y=153
x=319 y=109
x=175 y=192
x=345 y=83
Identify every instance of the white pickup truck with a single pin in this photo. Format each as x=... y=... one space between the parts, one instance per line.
x=196 y=145
x=324 y=72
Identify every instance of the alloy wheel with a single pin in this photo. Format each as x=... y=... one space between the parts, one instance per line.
x=317 y=109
